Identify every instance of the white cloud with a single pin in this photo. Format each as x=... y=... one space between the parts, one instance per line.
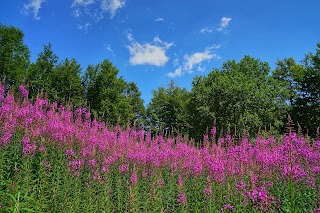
x=176 y=73
x=159 y=19
x=76 y=13
x=149 y=53
x=83 y=3
x=95 y=10
x=33 y=6
x=130 y=37
x=224 y=23
x=162 y=43
x=214 y=47
x=97 y=15
x=84 y=27
x=112 y=6
x=201 y=69
x=176 y=62
x=195 y=60
x=206 y=30
x=109 y=48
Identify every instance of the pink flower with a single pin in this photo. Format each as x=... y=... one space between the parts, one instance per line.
x=160 y=182
x=42 y=148
x=70 y=152
x=28 y=148
x=5 y=139
x=92 y=163
x=1 y=93
x=182 y=198
x=207 y=191
x=144 y=174
x=213 y=131
x=134 y=178
x=24 y=92
x=180 y=182
x=123 y=168
x=228 y=206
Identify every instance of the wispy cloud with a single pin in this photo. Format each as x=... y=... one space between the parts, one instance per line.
x=195 y=60
x=108 y=47
x=76 y=13
x=206 y=30
x=153 y=53
x=95 y=10
x=176 y=62
x=130 y=37
x=84 y=27
x=112 y=6
x=83 y=3
x=33 y=6
x=159 y=19
x=177 y=73
x=224 y=23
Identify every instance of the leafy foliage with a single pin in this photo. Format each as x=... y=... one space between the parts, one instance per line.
x=66 y=82
x=239 y=96
x=302 y=82
x=168 y=109
x=14 y=55
x=41 y=73
x=110 y=96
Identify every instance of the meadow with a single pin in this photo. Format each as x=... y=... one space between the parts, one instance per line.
x=56 y=159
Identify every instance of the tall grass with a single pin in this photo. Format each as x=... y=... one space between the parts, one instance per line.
x=54 y=159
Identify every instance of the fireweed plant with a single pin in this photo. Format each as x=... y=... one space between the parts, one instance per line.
x=55 y=159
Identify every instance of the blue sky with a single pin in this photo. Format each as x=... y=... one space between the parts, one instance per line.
x=154 y=42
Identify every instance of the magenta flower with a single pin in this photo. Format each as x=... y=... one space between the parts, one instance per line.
x=228 y=207
x=28 y=148
x=160 y=182
x=1 y=93
x=24 y=92
x=123 y=168
x=42 y=148
x=182 y=198
x=144 y=174
x=180 y=182
x=134 y=178
x=213 y=131
x=92 y=163
x=70 y=152
x=207 y=191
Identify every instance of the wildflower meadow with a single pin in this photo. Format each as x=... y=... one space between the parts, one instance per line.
x=54 y=158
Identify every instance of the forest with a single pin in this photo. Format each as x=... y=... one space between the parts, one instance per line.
x=240 y=96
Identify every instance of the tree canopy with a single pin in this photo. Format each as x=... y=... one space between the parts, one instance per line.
x=110 y=97
x=14 y=55
x=244 y=95
x=239 y=96
x=168 y=109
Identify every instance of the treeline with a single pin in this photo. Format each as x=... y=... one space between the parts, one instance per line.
x=245 y=95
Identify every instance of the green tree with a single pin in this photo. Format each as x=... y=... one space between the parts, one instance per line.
x=109 y=96
x=168 y=109
x=302 y=82
x=133 y=95
x=14 y=55
x=306 y=109
x=40 y=74
x=66 y=82
x=286 y=72
x=239 y=96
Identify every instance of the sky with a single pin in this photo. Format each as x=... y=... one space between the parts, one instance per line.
x=152 y=42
